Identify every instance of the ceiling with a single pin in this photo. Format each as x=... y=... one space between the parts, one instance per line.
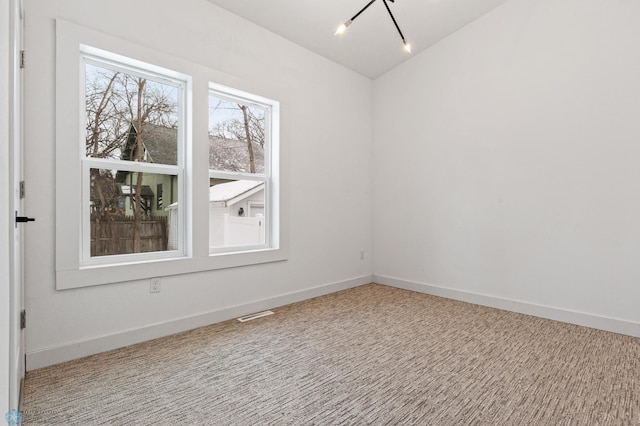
x=371 y=46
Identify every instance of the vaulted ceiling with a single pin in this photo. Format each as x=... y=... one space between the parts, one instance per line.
x=371 y=46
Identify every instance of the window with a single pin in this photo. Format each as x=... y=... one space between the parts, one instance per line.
x=133 y=148
x=135 y=194
x=159 y=202
x=241 y=129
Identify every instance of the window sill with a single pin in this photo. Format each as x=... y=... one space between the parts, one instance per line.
x=93 y=275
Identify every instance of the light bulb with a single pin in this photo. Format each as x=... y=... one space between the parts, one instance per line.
x=407 y=47
x=343 y=27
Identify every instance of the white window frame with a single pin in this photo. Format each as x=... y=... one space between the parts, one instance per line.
x=272 y=136
x=71 y=270
x=107 y=60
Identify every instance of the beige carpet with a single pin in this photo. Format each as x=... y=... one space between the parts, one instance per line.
x=371 y=355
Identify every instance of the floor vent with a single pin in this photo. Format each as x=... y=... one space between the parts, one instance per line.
x=255 y=316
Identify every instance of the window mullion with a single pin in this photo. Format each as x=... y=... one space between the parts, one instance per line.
x=213 y=174
x=131 y=166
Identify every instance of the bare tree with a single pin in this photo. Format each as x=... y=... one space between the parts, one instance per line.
x=252 y=162
x=237 y=129
x=137 y=211
x=246 y=126
x=111 y=107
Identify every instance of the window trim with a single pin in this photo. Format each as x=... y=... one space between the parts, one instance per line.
x=70 y=125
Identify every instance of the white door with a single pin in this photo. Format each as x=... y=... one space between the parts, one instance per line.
x=16 y=342
x=5 y=216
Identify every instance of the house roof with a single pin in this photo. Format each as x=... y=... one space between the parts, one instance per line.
x=230 y=193
x=146 y=190
x=161 y=146
x=232 y=155
x=160 y=142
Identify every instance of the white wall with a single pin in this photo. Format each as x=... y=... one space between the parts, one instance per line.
x=327 y=132
x=507 y=162
x=505 y=169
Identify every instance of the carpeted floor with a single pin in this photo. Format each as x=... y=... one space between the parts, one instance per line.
x=370 y=355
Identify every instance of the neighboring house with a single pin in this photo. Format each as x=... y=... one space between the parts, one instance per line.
x=160 y=145
x=236 y=215
x=236 y=208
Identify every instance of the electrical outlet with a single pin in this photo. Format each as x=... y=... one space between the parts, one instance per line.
x=361 y=254
x=155 y=285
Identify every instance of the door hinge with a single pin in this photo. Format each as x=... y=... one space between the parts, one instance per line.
x=23 y=63
x=23 y=319
x=21 y=189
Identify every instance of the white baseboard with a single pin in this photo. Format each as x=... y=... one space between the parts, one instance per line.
x=68 y=352
x=578 y=318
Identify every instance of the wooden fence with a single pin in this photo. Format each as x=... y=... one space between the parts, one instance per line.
x=115 y=235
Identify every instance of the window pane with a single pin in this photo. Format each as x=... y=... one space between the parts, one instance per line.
x=236 y=136
x=129 y=117
x=236 y=214
x=115 y=207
